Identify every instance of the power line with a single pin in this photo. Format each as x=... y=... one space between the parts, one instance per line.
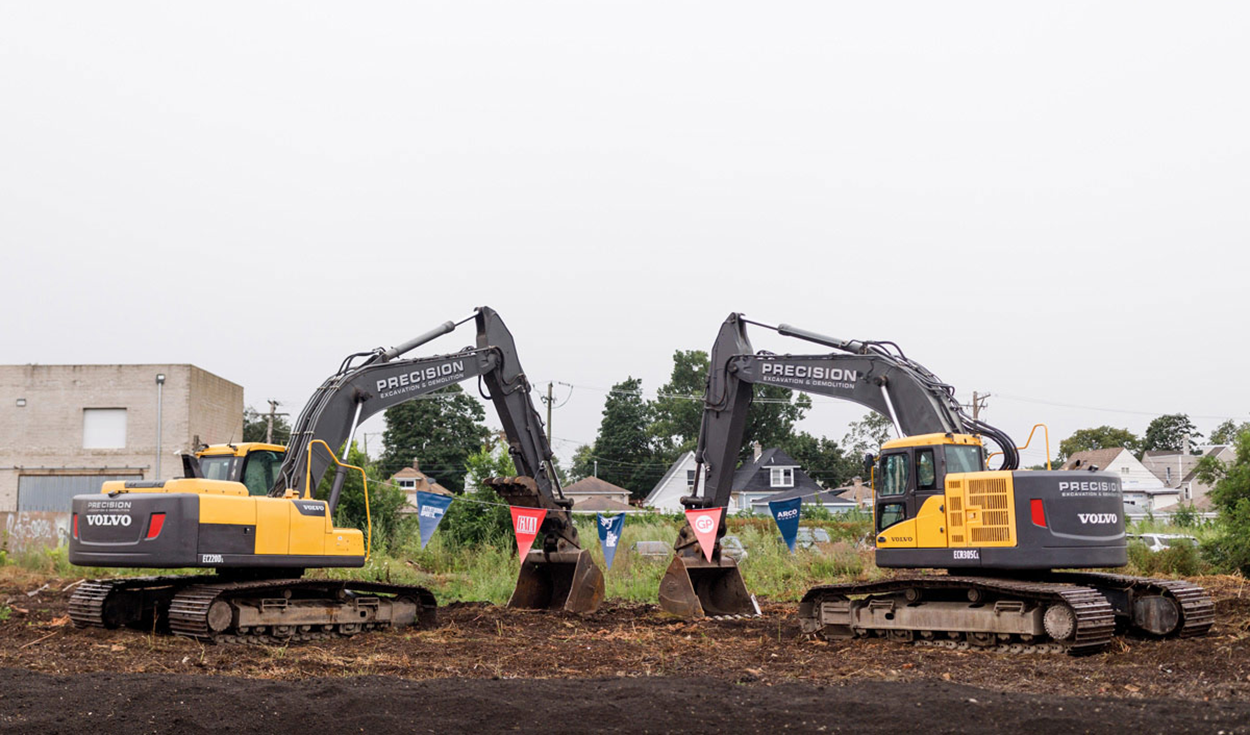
x=1022 y=399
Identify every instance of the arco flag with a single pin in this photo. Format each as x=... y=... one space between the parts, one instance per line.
x=526 y=522
x=704 y=524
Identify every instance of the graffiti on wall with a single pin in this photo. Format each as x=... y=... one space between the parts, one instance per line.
x=30 y=530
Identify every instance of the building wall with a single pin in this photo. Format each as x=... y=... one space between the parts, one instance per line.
x=667 y=497
x=45 y=437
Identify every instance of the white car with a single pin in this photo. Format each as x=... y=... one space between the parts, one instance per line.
x=1161 y=541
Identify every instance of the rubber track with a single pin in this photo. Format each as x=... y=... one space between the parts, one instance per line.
x=1095 y=620
x=188 y=611
x=86 y=605
x=1197 y=608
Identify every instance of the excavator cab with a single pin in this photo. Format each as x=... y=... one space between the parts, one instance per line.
x=912 y=470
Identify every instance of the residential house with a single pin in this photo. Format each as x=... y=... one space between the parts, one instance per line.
x=1143 y=492
x=770 y=472
x=1179 y=470
x=677 y=482
x=592 y=493
x=411 y=480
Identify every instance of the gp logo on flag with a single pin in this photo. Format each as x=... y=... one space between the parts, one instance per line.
x=526 y=522
x=704 y=523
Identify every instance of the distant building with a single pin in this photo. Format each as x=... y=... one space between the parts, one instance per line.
x=1143 y=492
x=592 y=493
x=65 y=429
x=412 y=480
x=1179 y=470
x=770 y=473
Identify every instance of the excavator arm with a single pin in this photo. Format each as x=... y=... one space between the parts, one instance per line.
x=867 y=373
x=558 y=572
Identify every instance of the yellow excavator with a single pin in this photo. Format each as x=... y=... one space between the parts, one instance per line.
x=251 y=515
x=1019 y=547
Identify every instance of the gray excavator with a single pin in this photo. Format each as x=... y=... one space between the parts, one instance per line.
x=1002 y=535
x=258 y=525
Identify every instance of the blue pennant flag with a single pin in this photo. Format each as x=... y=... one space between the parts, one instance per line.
x=786 y=513
x=430 y=510
x=610 y=535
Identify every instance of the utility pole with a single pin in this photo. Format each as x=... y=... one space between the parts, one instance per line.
x=273 y=411
x=550 y=385
x=978 y=403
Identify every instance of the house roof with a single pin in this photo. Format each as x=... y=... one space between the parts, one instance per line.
x=672 y=470
x=412 y=473
x=1098 y=457
x=595 y=486
x=750 y=478
x=601 y=504
x=824 y=497
x=1160 y=462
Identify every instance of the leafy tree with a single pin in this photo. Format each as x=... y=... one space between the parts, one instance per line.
x=440 y=430
x=256 y=427
x=391 y=526
x=1227 y=432
x=678 y=408
x=1167 y=433
x=623 y=446
x=868 y=434
x=583 y=463
x=677 y=411
x=1102 y=437
x=474 y=524
x=822 y=459
x=1230 y=494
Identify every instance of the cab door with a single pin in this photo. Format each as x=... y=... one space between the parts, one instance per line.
x=895 y=501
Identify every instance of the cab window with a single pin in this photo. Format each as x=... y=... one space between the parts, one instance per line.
x=216 y=468
x=890 y=514
x=963 y=458
x=926 y=471
x=894 y=474
x=260 y=470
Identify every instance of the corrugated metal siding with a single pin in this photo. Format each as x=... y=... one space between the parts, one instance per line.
x=53 y=493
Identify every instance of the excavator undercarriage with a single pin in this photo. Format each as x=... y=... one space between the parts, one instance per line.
x=1074 y=613
x=218 y=608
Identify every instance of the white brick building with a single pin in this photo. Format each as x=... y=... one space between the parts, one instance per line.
x=64 y=429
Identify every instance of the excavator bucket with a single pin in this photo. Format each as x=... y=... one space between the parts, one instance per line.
x=559 y=580
x=693 y=587
x=561 y=577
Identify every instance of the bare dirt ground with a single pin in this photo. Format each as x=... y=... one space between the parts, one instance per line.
x=491 y=668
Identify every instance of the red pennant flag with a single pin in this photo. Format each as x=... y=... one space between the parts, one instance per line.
x=705 y=522
x=526 y=521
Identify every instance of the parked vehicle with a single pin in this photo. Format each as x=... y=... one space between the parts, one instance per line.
x=1161 y=541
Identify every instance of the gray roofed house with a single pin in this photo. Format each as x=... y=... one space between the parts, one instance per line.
x=1143 y=492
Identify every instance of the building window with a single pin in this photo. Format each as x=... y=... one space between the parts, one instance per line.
x=781 y=476
x=1167 y=475
x=1124 y=470
x=408 y=484
x=689 y=479
x=103 y=428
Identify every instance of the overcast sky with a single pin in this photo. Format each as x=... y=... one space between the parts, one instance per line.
x=1047 y=202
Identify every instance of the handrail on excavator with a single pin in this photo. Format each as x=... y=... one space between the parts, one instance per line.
x=364 y=479
x=1045 y=432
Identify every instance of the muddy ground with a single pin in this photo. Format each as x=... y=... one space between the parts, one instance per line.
x=489 y=662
